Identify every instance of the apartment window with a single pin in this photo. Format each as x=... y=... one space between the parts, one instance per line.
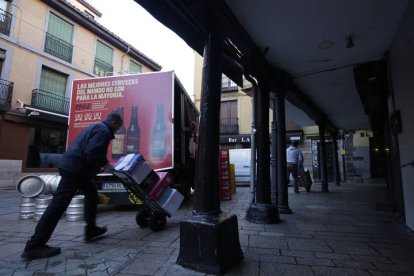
x=5 y=17
x=134 y=67
x=51 y=93
x=103 y=60
x=59 y=38
x=229 y=123
x=46 y=147
x=227 y=84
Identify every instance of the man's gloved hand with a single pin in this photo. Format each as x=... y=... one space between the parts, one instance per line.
x=108 y=168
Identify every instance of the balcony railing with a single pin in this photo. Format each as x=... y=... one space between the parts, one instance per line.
x=5 y=22
x=101 y=67
x=6 y=93
x=50 y=102
x=227 y=85
x=58 y=48
x=229 y=125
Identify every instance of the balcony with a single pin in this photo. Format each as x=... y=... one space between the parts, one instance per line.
x=229 y=125
x=50 y=102
x=227 y=85
x=58 y=48
x=101 y=68
x=5 y=22
x=6 y=93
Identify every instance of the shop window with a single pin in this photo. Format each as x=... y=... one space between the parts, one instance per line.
x=46 y=147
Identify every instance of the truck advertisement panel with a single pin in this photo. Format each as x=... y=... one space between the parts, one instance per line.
x=145 y=101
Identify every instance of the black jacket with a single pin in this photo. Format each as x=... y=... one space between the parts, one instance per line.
x=87 y=154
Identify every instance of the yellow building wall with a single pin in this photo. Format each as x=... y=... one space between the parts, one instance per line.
x=30 y=23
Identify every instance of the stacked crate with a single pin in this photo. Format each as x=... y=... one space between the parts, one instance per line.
x=224 y=175
x=156 y=185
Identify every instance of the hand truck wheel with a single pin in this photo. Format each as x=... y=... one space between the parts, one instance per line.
x=143 y=218
x=157 y=222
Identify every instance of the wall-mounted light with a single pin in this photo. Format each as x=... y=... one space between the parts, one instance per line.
x=349 y=41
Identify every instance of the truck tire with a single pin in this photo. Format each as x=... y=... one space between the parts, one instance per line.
x=157 y=222
x=143 y=218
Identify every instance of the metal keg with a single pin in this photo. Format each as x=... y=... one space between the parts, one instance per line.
x=41 y=203
x=30 y=186
x=51 y=182
x=27 y=207
x=74 y=212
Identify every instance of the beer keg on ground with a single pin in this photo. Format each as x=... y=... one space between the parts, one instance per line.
x=41 y=203
x=51 y=182
x=27 y=207
x=74 y=212
x=30 y=186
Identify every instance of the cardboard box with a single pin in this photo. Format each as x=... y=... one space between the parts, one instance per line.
x=139 y=170
x=165 y=181
x=170 y=200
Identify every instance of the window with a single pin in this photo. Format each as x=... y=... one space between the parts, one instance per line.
x=103 y=60
x=134 y=67
x=5 y=17
x=59 y=38
x=46 y=147
x=51 y=93
x=228 y=117
x=227 y=84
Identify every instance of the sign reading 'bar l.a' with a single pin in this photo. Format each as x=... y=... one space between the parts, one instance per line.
x=246 y=138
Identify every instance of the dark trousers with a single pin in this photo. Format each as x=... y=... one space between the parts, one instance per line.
x=66 y=190
x=292 y=168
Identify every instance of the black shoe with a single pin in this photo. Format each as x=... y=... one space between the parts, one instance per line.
x=91 y=235
x=43 y=251
x=297 y=191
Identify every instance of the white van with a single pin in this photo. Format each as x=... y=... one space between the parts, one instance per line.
x=241 y=160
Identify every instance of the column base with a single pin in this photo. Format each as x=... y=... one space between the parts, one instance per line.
x=285 y=210
x=262 y=213
x=210 y=244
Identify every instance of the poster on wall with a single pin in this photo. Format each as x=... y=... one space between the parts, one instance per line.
x=144 y=101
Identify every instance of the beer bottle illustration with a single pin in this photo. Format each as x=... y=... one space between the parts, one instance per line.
x=133 y=132
x=118 y=144
x=159 y=135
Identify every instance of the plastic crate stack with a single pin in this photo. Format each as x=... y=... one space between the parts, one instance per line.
x=224 y=174
x=156 y=185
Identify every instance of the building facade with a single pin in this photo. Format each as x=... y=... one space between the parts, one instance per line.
x=44 y=46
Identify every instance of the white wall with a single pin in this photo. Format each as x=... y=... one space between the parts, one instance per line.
x=402 y=69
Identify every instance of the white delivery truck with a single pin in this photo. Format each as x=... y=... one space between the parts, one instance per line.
x=241 y=160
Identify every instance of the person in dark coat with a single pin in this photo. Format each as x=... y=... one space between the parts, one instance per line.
x=84 y=158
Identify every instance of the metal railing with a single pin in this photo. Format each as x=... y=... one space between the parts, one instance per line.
x=6 y=93
x=50 y=102
x=5 y=22
x=58 y=48
x=101 y=67
x=227 y=85
x=229 y=125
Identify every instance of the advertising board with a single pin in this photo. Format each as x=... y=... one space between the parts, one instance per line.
x=145 y=101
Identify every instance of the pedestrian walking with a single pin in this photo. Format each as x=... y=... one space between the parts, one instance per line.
x=294 y=159
x=84 y=158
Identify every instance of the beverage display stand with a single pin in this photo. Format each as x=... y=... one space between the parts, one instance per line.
x=224 y=175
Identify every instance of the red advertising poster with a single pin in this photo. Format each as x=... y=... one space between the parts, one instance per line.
x=145 y=101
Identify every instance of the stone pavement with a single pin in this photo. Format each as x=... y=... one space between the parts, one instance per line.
x=335 y=233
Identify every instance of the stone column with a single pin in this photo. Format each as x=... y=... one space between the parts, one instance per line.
x=209 y=239
x=337 y=175
x=262 y=210
x=322 y=155
x=282 y=185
